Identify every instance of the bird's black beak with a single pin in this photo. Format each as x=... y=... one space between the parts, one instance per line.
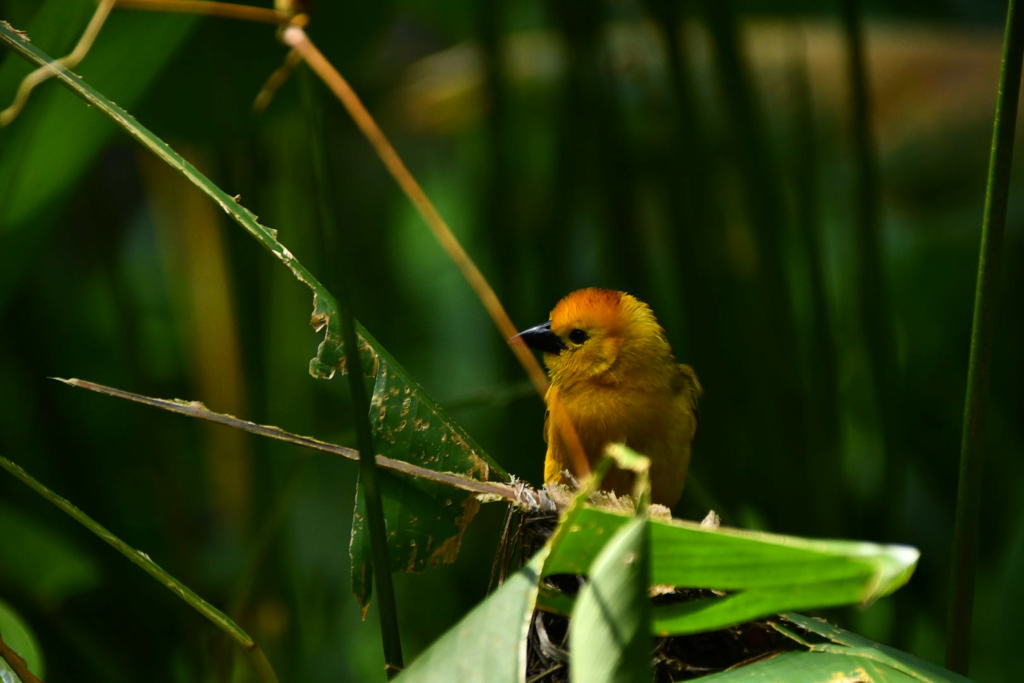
x=541 y=338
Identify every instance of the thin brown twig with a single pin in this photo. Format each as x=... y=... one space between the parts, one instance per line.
x=274 y=82
x=297 y=39
x=69 y=61
x=226 y=10
x=209 y=8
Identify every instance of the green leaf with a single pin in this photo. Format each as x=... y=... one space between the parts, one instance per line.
x=796 y=667
x=425 y=521
x=325 y=310
x=55 y=126
x=707 y=614
x=410 y=426
x=843 y=656
x=971 y=490
x=764 y=573
x=261 y=665
x=610 y=631
x=489 y=644
x=895 y=659
x=18 y=636
x=41 y=562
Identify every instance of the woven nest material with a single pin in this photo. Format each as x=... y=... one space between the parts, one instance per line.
x=675 y=658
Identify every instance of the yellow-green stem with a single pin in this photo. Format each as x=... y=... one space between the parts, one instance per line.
x=968 y=501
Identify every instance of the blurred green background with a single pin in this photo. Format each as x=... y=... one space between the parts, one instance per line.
x=699 y=155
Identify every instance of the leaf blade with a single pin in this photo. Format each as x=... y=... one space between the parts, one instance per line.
x=425 y=521
x=146 y=564
x=770 y=573
x=489 y=644
x=609 y=635
x=461 y=454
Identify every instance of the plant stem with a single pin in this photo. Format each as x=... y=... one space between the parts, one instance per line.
x=993 y=226
x=70 y=61
x=143 y=561
x=336 y=234
x=295 y=38
x=324 y=316
x=227 y=10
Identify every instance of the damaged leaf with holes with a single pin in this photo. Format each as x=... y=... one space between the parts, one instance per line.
x=425 y=521
x=830 y=653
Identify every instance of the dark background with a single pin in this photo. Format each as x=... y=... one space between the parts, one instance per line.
x=569 y=144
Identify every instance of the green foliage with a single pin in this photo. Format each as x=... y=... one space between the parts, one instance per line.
x=610 y=634
x=143 y=561
x=575 y=149
x=425 y=521
x=612 y=619
x=986 y=298
x=58 y=125
x=19 y=637
x=834 y=654
x=764 y=573
x=50 y=565
x=489 y=644
x=821 y=666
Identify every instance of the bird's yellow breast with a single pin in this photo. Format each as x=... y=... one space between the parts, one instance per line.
x=614 y=379
x=654 y=419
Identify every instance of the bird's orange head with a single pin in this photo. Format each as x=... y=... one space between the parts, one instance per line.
x=602 y=336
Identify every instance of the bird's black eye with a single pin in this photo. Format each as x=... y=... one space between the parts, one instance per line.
x=578 y=336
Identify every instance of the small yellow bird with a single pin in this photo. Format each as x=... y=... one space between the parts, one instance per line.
x=613 y=376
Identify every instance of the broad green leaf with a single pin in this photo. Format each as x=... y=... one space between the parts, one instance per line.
x=921 y=669
x=763 y=573
x=18 y=637
x=40 y=561
x=489 y=644
x=836 y=655
x=409 y=425
x=815 y=667
x=707 y=614
x=425 y=521
x=610 y=631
